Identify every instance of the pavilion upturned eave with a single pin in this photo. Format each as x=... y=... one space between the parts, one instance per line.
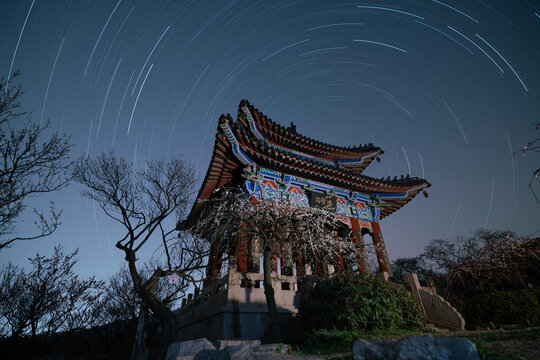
x=275 y=159
x=278 y=135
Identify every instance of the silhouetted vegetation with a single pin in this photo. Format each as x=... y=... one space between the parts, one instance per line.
x=141 y=202
x=349 y=301
x=490 y=276
x=31 y=163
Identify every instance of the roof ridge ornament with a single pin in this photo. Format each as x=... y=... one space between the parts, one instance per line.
x=253 y=127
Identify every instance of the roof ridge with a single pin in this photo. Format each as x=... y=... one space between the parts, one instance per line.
x=355 y=149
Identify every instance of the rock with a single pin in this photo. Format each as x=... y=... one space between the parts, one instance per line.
x=238 y=352
x=375 y=349
x=436 y=347
x=268 y=349
x=186 y=350
x=212 y=355
x=222 y=344
x=432 y=330
x=416 y=347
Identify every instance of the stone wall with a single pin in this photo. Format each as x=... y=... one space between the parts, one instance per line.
x=235 y=307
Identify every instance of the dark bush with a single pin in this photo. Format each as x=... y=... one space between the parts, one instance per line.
x=355 y=302
x=520 y=307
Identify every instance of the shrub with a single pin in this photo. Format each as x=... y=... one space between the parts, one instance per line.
x=350 y=301
x=520 y=307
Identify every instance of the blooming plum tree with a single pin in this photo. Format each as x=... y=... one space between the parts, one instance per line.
x=312 y=234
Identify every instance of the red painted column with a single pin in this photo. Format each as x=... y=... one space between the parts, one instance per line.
x=380 y=248
x=241 y=256
x=341 y=263
x=358 y=243
x=300 y=266
x=214 y=263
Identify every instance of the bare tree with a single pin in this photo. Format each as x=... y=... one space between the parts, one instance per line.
x=29 y=165
x=533 y=146
x=277 y=225
x=47 y=299
x=405 y=265
x=121 y=302
x=143 y=203
x=441 y=255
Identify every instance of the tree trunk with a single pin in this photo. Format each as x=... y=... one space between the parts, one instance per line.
x=139 y=345
x=168 y=320
x=269 y=293
x=169 y=334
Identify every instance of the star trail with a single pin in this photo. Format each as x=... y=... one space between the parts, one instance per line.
x=455 y=82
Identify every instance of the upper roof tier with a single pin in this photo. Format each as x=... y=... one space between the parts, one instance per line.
x=356 y=158
x=241 y=144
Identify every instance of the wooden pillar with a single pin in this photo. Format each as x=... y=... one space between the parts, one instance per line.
x=359 y=244
x=241 y=257
x=300 y=271
x=380 y=248
x=253 y=255
x=214 y=262
x=341 y=263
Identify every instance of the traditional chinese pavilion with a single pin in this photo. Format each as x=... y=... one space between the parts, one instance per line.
x=270 y=161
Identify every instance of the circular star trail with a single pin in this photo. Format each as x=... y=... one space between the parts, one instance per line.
x=448 y=89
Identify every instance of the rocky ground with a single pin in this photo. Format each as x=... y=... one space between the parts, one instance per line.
x=491 y=344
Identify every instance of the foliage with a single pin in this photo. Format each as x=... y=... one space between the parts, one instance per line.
x=363 y=303
x=440 y=255
x=520 y=307
x=329 y=341
x=48 y=299
x=485 y=353
x=144 y=203
x=501 y=263
x=490 y=276
x=30 y=164
x=405 y=265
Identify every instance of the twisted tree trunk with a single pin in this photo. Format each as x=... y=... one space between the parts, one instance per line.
x=269 y=293
x=168 y=320
x=139 y=345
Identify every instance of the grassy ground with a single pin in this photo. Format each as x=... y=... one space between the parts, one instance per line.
x=491 y=344
x=505 y=344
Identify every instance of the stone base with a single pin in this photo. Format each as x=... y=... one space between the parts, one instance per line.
x=242 y=321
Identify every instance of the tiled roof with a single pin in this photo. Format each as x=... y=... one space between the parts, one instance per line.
x=276 y=134
x=271 y=146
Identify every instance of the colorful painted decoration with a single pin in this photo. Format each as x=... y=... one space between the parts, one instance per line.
x=361 y=212
x=297 y=197
x=270 y=184
x=240 y=155
x=341 y=207
x=269 y=190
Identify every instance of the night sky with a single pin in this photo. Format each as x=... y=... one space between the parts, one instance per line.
x=448 y=89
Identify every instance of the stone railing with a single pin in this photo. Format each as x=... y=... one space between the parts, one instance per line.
x=244 y=289
x=436 y=310
x=213 y=296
